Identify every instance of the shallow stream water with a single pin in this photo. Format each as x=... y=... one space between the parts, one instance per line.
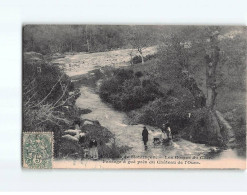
x=130 y=135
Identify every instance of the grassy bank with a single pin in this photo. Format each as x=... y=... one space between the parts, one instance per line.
x=230 y=101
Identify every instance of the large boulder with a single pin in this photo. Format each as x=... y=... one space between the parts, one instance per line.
x=70 y=138
x=88 y=123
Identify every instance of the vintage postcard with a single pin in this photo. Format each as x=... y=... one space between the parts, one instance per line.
x=134 y=96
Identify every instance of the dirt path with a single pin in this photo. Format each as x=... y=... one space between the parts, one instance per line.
x=82 y=63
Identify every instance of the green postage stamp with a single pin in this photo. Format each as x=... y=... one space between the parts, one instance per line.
x=37 y=150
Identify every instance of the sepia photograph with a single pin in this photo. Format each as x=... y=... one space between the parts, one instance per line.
x=133 y=96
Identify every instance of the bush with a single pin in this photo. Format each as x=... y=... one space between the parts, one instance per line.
x=109 y=87
x=126 y=92
x=239 y=125
x=149 y=57
x=48 y=98
x=161 y=110
x=112 y=151
x=138 y=74
x=138 y=59
x=122 y=75
x=45 y=79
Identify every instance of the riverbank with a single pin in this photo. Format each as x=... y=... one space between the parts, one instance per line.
x=118 y=123
x=231 y=101
x=130 y=135
x=125 y=133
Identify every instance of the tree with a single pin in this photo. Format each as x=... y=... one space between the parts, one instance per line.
x=179 y=48
x=183 y=52
x=212 y=60
x=88 y=38
x=140 y=37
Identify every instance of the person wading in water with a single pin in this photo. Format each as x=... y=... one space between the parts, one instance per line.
x=166 y=129
x=145 y=137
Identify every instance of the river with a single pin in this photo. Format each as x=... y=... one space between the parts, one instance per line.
x=130 y=135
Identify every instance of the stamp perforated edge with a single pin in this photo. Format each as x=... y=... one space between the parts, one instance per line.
x=41 y=132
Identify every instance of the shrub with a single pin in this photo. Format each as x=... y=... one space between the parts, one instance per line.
x=149 y=57
x=126 y=92
x=48 y=98
x=121 y=74
x=136 y=59
x=240 y=133
x=161 y=110
x=109 y=87
x=138 y=74
x=112 y=151
x=45 y=79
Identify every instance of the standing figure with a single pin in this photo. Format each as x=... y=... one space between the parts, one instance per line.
x=93 y=149
x=168 y=131
x=77 y=124
x=145 y=136
x=163 y=128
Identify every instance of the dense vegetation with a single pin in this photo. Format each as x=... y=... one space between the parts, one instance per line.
x=45 y=91
x=126 y=91
x=45 y=97
x=49 y=105
x=48 y=39
x=183 y=53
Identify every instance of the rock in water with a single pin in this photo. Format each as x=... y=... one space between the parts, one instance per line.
x=70 y=137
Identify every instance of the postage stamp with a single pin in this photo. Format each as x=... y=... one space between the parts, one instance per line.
x=37 y=148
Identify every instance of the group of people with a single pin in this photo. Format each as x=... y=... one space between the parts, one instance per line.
x=92 y=152
x=166 y=129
